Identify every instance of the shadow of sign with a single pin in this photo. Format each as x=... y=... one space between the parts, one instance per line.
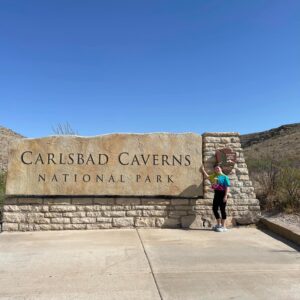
x=192 y=191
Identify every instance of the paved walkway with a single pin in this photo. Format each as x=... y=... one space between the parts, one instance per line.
x=146 y=264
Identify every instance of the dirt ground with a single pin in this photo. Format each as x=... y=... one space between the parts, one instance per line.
x=288 y=219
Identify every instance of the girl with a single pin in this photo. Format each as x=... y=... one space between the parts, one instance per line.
x=220 y=184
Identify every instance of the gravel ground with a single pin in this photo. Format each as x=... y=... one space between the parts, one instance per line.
x=289 y=219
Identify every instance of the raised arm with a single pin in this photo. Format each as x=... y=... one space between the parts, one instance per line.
x=204 y=172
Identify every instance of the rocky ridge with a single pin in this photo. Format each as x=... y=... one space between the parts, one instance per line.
x=6 y=135
x=281 y=143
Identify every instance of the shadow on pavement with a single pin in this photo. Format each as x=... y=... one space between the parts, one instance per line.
x=278 y=237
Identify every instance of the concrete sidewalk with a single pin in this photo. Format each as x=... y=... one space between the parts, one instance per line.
x=243 y=263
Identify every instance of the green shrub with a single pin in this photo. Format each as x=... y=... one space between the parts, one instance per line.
x=265 y=176
x=277 y=183
x=289 y=189
x=2 y=190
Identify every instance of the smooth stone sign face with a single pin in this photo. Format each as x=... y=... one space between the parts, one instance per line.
x=115 y=164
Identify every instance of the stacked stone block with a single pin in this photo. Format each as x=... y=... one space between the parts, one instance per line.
x=30 y=214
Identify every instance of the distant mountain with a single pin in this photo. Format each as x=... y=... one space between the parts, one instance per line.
x=6 y=135
x=281 y=143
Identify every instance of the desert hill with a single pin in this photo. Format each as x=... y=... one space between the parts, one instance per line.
x=281 y=143
x=6 y=135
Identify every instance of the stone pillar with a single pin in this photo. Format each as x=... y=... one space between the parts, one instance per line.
x=242 y=206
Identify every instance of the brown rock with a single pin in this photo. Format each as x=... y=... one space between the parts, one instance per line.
x=145 y=222
x=123 y=222
x=115 y=164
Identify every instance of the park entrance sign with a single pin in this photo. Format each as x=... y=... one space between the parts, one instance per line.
x=124 y=180
x=116 y=164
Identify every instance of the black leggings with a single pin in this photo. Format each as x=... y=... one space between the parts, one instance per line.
x=218 y=202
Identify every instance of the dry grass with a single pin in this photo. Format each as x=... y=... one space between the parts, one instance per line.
x=273 y=159
x=282 y=143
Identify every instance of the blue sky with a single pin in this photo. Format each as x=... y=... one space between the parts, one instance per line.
x=149 y=66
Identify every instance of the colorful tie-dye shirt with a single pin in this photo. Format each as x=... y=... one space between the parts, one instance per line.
x=219 y=181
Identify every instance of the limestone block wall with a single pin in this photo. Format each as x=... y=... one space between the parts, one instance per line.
x=30 y=214
x=68 y=213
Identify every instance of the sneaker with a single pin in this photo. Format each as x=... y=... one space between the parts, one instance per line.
x=216 y=227
x=224 y=229
x=219 y=229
